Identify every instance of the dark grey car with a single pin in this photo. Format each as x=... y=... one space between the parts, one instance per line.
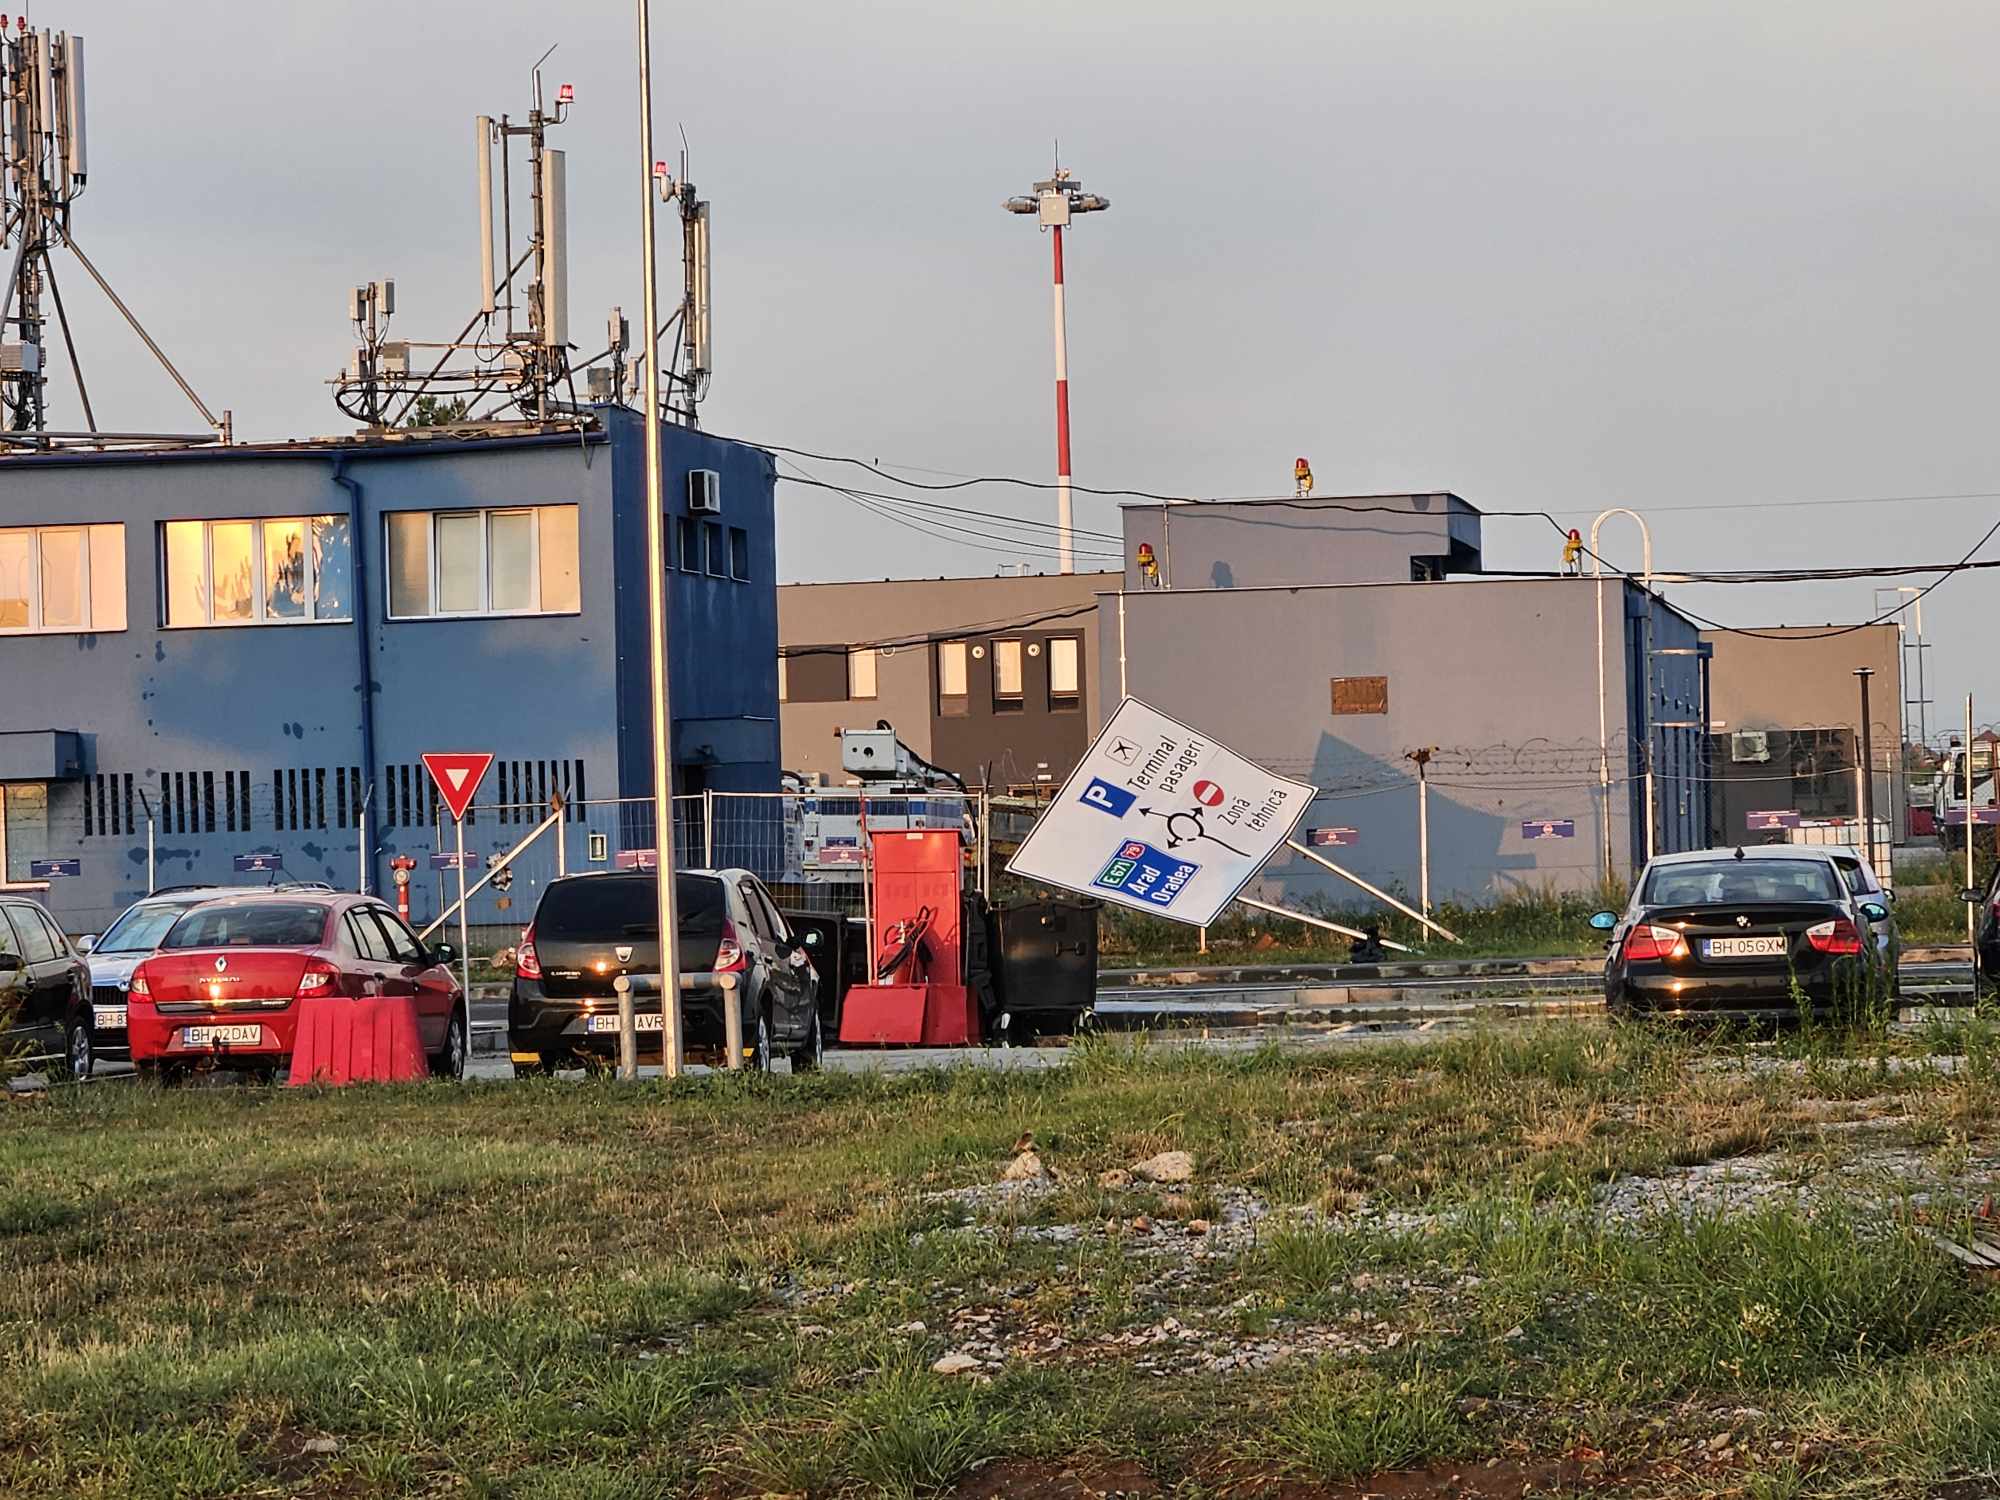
x=44 y=982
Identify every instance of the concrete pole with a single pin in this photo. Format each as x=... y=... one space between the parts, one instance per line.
x=656 y=587
x=1867 y=743
x=1971 y=907
x=1064 y=515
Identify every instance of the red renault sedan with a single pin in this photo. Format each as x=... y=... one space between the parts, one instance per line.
x=224 y=986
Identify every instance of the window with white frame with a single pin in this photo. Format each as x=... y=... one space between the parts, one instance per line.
x=516 y=561
x=258 y=570
x=861 y=672
x=61 y=579
x=1065 y=671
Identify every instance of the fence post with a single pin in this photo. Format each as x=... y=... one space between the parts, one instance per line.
x=708 y=828
x=732 y=1022
x=556 y=804
x=628 y=1030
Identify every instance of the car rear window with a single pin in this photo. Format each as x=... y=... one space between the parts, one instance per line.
x=268 y=924
x=1731 y=882
x=604 y=906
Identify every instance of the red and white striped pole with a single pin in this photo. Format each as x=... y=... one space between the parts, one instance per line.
x=1053 y=203
x=1064 y=516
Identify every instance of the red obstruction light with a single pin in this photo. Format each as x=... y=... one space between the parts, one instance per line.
x=566 y=94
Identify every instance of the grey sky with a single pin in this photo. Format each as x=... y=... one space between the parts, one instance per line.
x=1552 y=256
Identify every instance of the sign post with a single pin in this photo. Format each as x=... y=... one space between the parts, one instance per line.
x=458 y=777
x=1160 y=818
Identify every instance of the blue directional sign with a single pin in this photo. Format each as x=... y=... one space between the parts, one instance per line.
x=53 y=869
x=452 y=861
x=1548 y=828
x=1148 y=874
x=1332 y=838
x=251 y=864
x=1771 y=818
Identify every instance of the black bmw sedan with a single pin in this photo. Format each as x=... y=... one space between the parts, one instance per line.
x=1744 y=932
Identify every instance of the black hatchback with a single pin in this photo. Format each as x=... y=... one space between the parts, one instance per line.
x=44 y=983
x=1744 y=932
x=589 y=929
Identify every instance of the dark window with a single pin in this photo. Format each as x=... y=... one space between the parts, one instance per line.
x=600 y=907
x=815 y=674
x=267 y=924
x=366 y=937
x=687 y=535
x=739 y=554
x=1361 y=695
x=29 y=932
x=55 y=934
x=713 y=546
x=403 y=945
x=1727 y=882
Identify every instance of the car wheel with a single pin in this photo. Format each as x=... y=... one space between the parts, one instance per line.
x=455 y=1046
x=807 y=1056
x=760 y=1045
x=80 y=1051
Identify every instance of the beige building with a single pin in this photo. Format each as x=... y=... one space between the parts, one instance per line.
x=1784 y=710
x=993 y=678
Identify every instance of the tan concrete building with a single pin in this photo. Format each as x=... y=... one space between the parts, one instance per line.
x=993 y=678
x=1784 y=706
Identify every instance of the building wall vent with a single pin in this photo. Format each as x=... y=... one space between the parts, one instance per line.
x=1749 y=745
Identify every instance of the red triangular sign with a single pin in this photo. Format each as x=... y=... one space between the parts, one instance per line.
x=457 y=778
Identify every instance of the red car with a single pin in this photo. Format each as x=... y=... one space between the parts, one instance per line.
x=225 y=983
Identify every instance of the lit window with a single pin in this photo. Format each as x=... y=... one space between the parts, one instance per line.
x=1065 y=671
x=783 y=695
x=62 y=578
x=519 y=561
x=1007 y=690
x=951 y=679
x=262 y=571
x=24 y=829
x=861 y=673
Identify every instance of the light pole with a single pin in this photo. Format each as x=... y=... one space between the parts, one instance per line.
x=1052 y=204
x=656 y=593
x=1603 y=728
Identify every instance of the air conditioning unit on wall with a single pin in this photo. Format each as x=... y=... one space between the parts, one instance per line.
x=704 y=492
x=1749 y=745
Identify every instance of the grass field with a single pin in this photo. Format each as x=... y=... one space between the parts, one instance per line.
x=1557 y=1259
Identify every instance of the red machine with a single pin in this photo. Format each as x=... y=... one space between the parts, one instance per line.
x=916 y=992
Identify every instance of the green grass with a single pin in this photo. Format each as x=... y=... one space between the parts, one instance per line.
x=562 y=1289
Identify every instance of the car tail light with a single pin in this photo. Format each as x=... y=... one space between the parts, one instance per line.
x=1648 y=942
x=138 y=986
x=1837 y=936
x=320 y=978
x=527 y=963
x=729 y=957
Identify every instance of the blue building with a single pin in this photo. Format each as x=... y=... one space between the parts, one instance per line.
x=249 y=645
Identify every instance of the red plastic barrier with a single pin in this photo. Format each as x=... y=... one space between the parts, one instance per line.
x=341 y=1040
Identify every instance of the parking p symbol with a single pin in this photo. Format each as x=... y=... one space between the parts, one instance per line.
x=1107 y=798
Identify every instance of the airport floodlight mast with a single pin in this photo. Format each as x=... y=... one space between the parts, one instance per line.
x=44 y=166
x=514 y=354
x=1053 y=202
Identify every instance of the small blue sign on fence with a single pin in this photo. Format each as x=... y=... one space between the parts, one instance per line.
x=251 y=864
x=451 y=861
x=1771 y=818
x=53 y=869
x=1332 y=838
x=636 y=859
x=1548 y=828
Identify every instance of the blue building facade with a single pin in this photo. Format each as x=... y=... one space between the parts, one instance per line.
x=247 y=647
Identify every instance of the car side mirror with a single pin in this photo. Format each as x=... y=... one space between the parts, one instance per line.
x=1875 y=911
x=1971 y=896
x=12 y=963
x=86 y=943
x=1604 y=921
x=444 y=955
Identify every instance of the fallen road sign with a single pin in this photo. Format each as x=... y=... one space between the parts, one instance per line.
x=1160 y=818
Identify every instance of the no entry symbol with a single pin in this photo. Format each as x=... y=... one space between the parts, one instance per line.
x=1208 y=794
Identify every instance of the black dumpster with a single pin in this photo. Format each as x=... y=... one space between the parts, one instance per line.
x=1045 y=968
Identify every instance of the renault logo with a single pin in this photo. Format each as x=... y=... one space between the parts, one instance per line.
x=221 y=964
x=1742 y=921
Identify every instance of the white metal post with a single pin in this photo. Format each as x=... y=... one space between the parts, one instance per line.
x=708 y=828
x=1423 y=840
x=361 y=882
x=561 y=810
x=656 y=586
x=464 y=931
x=1971 y=907
x=149 y=852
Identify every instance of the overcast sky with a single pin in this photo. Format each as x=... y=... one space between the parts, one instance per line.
x=1699 y=259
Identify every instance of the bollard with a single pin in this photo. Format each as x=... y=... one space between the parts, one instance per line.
x=628 y=1030
x=732 y=1022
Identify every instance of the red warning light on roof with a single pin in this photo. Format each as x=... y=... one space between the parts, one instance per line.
x=659 y=169
x=566 y=94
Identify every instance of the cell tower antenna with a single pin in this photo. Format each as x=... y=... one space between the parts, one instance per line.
x=44 y=168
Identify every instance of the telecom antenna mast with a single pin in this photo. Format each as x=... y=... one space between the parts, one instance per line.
x=684 y=381
x=44 y=165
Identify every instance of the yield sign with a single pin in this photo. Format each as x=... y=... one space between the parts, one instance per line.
x=457 y=778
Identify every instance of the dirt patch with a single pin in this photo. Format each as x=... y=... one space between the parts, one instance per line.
x=1013 y=1479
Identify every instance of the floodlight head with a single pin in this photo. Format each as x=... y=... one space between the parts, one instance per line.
x=1019 y=205
x=1088 y=203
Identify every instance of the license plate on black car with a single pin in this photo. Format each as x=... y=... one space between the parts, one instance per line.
x=653 y=1022
x=1773 y=946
